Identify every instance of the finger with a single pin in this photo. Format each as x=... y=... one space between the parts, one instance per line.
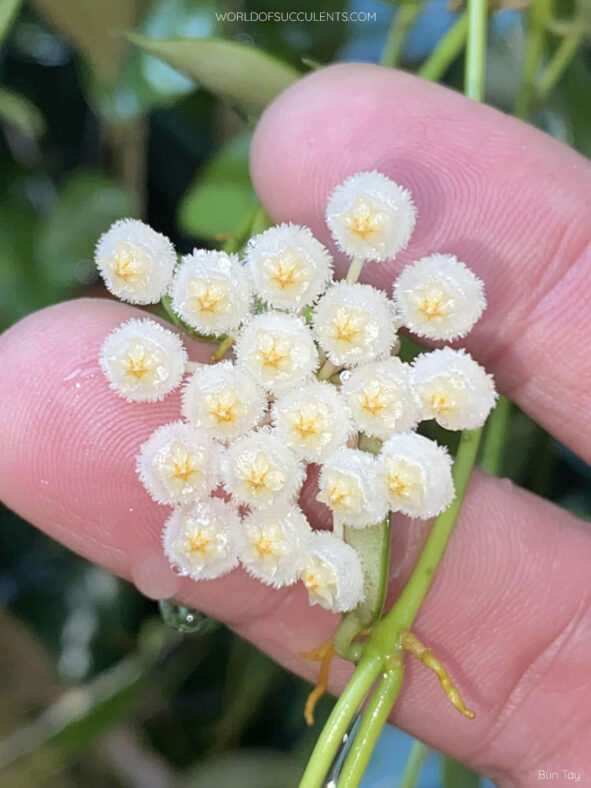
x=508 y=200
x=508 y=612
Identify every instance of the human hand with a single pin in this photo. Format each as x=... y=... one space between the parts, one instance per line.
x=508 y=611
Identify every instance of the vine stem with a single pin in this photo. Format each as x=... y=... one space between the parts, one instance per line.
x=494 y=437
x=474 y=75
x=446 y=51
x=414 y=764
x=402 y=21
x=539 y=15
x=559 y=62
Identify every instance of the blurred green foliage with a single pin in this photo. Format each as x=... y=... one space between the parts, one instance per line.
x=96 y=690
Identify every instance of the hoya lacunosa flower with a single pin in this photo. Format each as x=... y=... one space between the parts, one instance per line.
x=352 y=487
x=177 y=464
x=211 y=291
x=273 y=545
x=417 y=472
x=135 y=261
x=439 y=297
x=277 y=350
x=260 y=472
x=381 y=397
x=223 y=401
x=354 y=323
x=142 y=360
x=288 y=266
x=332 y=573
x=453 y=389
x=370 y=217
x=312 y=421
x=203 y=541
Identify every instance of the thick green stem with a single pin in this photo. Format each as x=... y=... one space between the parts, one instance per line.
x=559 y=62
x=401 y=23
x=494 y=437
x=447 y=50
x=338 y=723
x=538 y=17
x=414 y=764
x=474 y=75
x=373 y=721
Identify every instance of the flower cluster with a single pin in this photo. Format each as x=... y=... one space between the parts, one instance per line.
x=315 y=369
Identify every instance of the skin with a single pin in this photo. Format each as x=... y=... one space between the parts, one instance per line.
x=508 y=612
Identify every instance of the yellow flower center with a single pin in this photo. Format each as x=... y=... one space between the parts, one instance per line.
x=348 y=325
x=259 y=474
x=343 y=494
x=433 y=302
x=129 y=264
x=287 y=270
x=179 y=466
x=320 y=581
x=273 y=353
x=139 y=362
x=373 y=399
x=222 y=406
x=209 y=297
x=404 y=481
x=364 y=219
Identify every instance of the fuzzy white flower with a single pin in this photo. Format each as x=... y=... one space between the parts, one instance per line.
x=135 y=261
x=203 y=541
x=371 y=217
x=381 y=397
x=417 y=472
x=143 y=361
x=312 y=421
x=273 y=545
x=351 y=485
x=453 y=389
x=439 y=297
x=277 y=350
x=260 y=472
x=211 y=291
x=223 y=401
x=354 y=323
x=288 y=266
x=332 y=573
x=177 y=464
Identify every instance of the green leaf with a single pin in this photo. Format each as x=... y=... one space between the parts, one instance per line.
x=8 y=11
x=456 y=775
x=65 y=247
x=221 y=194
x=245 y=77
x=18 y=111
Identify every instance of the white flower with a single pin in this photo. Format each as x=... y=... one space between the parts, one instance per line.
x=177 y=464
x=203 y=541
x=381 y=397
x=135 y=261
x=273 y=545
x=312 y=421
x=259 y=471
x=370 y=217
x=332 y=573
x=277 y=350
x=453 y=389
x=143 y=361
x=288 y=266
x=418 y=476
x=354 y=323
x=211 y=291
x=223 y=401
x=352 y=487
x=439 y=297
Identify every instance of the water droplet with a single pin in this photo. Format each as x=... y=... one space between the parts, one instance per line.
x=131 y=508
x=345 y=375
x=185 y=619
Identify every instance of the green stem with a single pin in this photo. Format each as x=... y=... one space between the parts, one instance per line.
x=402 y=21
x=559 y=62
x=494 y=437
x=447 y=50
x=474 y=74
x=340 y=718
x=538 y=17
x=414 y=765
x=374 y=719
